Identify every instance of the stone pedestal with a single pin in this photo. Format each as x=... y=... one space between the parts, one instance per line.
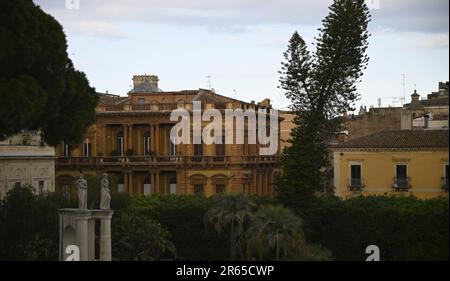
x=77 y=227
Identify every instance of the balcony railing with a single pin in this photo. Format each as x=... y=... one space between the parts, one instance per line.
x=445 y=184
x=355 y=184
x=119 y=107
x=154 y=107
x=165 y=160
x=142 y=107
x=401 y=184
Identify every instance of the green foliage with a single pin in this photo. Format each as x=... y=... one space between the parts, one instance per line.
x=29 y=225
x=275 y=233
x=173 y=227
x=39 y=87
x=231 y=213
x=320 y=86
x=183 y=216
x=140 y=238
x=403 y=228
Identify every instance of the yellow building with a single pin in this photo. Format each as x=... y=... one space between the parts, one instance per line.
x=401 y=162
x=131 y=140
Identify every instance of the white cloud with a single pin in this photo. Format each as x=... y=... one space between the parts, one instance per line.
x=100 y=29
x=433 y=41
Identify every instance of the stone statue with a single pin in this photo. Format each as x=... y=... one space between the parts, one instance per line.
x=82 y=187
x=105 y=196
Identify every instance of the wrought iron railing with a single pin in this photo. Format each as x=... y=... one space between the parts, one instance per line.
x=401 y=184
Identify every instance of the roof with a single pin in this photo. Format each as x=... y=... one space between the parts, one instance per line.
x=146 y=87
x=400 y=139
x=108 y=99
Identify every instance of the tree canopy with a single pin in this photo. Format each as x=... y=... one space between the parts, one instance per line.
x=40 y=88
x=321 y=86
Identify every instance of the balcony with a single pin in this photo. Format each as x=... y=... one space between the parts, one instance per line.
x=445 y=184
x=160 y=161
x=401 y=184
x=356 y=184
x=142 y=107
x=154 y=107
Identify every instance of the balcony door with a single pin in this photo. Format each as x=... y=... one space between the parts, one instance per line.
x=355 y=176
x=401 y=171
x=87 y=148
x=120 y=145
x=147 y=143
x=401 y=176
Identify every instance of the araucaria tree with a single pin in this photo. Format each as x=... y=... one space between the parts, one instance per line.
x=321 y=86
x=39 y=87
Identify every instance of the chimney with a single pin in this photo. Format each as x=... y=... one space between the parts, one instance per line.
x=342 y=136
x=138 y=80
x=415 y=97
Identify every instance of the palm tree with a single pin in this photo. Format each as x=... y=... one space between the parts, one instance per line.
x=275 y=230
x=231 y=212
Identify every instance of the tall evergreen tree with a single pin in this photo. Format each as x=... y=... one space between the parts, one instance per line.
x=39 y=87
x=321 y=86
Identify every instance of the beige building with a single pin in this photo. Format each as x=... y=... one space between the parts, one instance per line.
x=23 y=161
x=396 y=162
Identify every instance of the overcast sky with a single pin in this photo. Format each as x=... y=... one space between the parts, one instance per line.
x=240 y=44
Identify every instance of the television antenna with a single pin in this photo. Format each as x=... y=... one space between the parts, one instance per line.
x=208 y=81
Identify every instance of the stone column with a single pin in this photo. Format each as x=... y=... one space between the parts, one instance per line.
x=125 y=181
x=152 y=183
x=125 y=139
x=131 y=191
x=105 y=238
x=152 y=138
x=130 y=142
x=157 y=139
x=157 y=185
x=82 y=237
x=91 y=239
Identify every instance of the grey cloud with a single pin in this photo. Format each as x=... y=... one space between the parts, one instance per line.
x=400 y=15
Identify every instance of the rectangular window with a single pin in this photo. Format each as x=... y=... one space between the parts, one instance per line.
x=66 y=192
x=147 y=189
x=220 y=188
x=446 y=172
x=141 y=103
x=173 y=185
x=172 y=147
x=355 y=175
x=198 y=152
x=147 y=143
x=198 y=189
x=198 y=149
x=87 y=149
x=120 y=146
x=41 y=187
x=17 y=184
x=65 y=149
x=401 y=171
x=401 y=177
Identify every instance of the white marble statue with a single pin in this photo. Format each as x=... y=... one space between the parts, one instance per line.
x=105 y=196
x=82 y=187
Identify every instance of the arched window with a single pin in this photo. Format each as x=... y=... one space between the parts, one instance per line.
x=220 y=183
x=198 y=184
